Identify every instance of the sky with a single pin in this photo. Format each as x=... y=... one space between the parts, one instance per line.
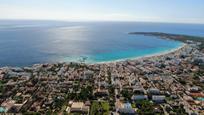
x=179 y=11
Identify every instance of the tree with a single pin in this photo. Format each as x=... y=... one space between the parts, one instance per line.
x=59 y=102
x=86 y=93
x=126 y=94
x=145 y=107
x=100 y=108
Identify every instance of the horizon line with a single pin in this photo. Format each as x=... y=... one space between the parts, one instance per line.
x=77 y=20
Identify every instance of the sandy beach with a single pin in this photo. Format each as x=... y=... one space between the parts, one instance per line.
x=144 y=57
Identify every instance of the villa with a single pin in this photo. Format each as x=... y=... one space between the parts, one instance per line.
x=79 y=107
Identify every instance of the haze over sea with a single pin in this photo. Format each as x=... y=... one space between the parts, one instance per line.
x=23 y=43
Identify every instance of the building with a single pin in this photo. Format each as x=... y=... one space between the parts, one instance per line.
x=79 y=107
x=126 y=109
x=153 y=91
x=158 y=98
x=139 y=97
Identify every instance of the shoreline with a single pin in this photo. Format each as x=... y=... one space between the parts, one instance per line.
x=183 y=39
x=163 y=53
x=172 y=77
x=142 y=57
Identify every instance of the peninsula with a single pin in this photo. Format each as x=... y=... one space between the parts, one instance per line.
x=182 y=38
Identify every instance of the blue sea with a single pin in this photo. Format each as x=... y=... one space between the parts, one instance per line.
x=27 y=42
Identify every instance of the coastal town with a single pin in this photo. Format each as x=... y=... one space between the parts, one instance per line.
x=166 y=84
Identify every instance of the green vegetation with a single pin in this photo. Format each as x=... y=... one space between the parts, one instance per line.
x=18 y=99
x=1 y=86
x=198 y=74
x=31 y=113
x=196 y=78
x=180 y=110
x=76 y=65
x=168 y=99
x=59 y=102
x=145 y=107
x=109 y=76
x=133 y=105
x=111 y=90
x=182 y=81
x=85 y=93
x=127 y=94
x=100 y=108
x=75 y=114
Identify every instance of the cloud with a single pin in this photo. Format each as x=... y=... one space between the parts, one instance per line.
x=16 y=12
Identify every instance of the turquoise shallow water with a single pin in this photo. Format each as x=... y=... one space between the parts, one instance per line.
x=122 y=55
x=23 y=43
x=2 y=110
x=200 y=98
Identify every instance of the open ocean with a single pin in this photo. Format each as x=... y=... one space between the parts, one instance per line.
x=23 y=43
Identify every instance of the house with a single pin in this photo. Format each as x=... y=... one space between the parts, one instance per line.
x=126 y=109
x=79 y=107
x=8 y=104
x=198 y=61
x=88 y=74
x=139 y=97
x=138 y=91
x=87 y=103
x=101 y=93
x=153 y=91
x=195 y=89
x=158 y=98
